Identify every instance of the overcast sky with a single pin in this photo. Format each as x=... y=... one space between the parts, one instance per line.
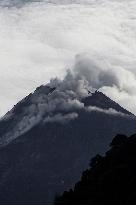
x=40 y=40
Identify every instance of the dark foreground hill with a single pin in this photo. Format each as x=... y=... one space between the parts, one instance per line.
x=44 y=152
x=110 y=180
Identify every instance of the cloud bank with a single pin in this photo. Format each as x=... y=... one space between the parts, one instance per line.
x=39 y=40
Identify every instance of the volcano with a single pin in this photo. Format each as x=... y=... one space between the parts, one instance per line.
x=43 y=150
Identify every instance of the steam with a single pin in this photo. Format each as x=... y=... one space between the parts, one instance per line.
x=39 y=40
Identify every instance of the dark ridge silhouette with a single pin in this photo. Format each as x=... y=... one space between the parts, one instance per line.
x=111 y=179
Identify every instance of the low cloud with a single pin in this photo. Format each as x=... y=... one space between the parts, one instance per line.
x=109 y=111
x=60 y=118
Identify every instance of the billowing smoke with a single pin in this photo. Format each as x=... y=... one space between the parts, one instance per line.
x=40 y=39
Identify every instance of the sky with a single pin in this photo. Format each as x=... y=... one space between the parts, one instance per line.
x=40 y=40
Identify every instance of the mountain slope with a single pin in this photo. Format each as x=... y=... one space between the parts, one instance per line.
x=110 y=180
x=100 y=100
x=47 y=140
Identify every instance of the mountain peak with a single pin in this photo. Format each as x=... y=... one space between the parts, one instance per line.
x=100 y=100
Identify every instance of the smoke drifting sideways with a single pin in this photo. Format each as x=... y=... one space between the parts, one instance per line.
x=60 y=101
x=40 y=39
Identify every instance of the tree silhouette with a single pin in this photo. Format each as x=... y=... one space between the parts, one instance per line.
x=118 y=140
x=95 y=160
x=110 y=180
